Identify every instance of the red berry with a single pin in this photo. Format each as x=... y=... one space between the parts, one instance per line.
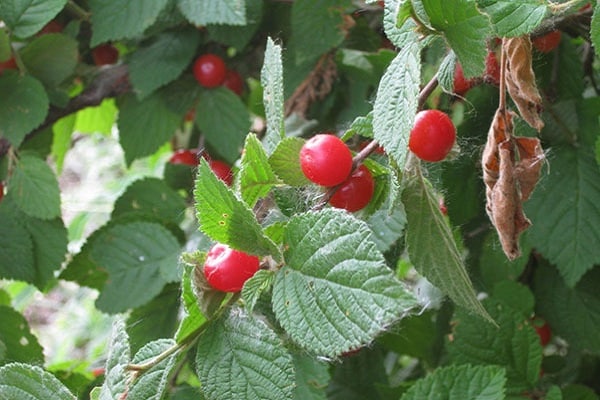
x=461 y=84
x=326 y=160
x=190 y=116
x=355 y=192
x=442 y=205
x=543 y=330
x=492 y=69
x=51 y=27
x=98 y=372
x=184 y=156
x=209 y=70
x=1 y=191
x=234 y=82
x=432 y=135
x=227 y=270
x=548 y=42
x=8 y=64
x=586 y=7
x=222 y=171
x=105 y=54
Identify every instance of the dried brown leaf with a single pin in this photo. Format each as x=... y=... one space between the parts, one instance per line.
x=520 y=80
x=529 y=166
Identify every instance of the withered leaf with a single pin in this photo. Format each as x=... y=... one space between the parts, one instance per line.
x=529 y=166
x=520 y=80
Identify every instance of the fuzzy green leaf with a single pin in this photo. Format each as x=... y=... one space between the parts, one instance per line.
x=152 y=384
x=565 y=212
x=271 y=79
x=238 y=36
x=144 y=126
x=51 y=58
x=256 y=176
x=255 y=287
x=34 y=188
x=432 y=248
x=114 y=20
x=514 y=18
x=225 y=218
x=22 y=381
x=465 y=29
x=26 y=17
x=23 y=107
x=169 y=54
x=119 y=356
x=387 y=226
x=239 y=356
x=396 y=102
x=335 y=292
x=140 y=258
x=21 y=345
x=285 y=161
x=458 y=382
x=193 y=317
x=312 y=377
x=16 y=247
x=204 y=12
x=224 y=120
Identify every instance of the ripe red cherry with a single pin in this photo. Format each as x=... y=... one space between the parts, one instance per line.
x=234 y=82
x=492 y=69
x=227 y=270
x=548 y=42
x=209 y=70
x=432 y=135
x=1 y=191
x=105 y=54
x=461 y=84
x=8 y=64
x=184 y=156
x=51 y=27
x=543 y=331
x=355 y=192
x=222 y=171
x=326 y=160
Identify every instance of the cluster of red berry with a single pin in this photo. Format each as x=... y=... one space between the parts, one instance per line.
x=190 y=157
x=210 y=71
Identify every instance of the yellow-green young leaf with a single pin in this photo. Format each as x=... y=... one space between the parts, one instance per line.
x=119 y=356
x=271 y=79
x=51 y=58
x=256 y=176
x=204 y=12
x=432 y=248
x=240 y=357
x=23 y=381
x=152 y=383
x=61 y=139
x=285 y=161
x=459 y=382
x=98 y=119
x=20 y=344
x=335 y=292
x=226 y=219
x=26 y=17
x=23 y=106
x=513 y=18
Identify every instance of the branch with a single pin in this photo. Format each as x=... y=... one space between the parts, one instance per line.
x=110 y=82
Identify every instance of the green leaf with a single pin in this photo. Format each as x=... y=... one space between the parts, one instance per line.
x=21 y=345
x=226 y=219
x=415 y=336
x=24 y=107
x=16 y=247
x=5 y=47
x=255 y=287
x=397 y=101
x=513 y=18
x=396 y=22
x=144 y=126
x=151 y=196
x=140 y=258
x=578 y=392
x=572 y=313
x=119 y=356
x=204 y=12
x=192 y=318
x=271 y=79
x=62 y=130
x=114 y=20
x=317 y=27
x=513 y=344
x=335 y=292
x=362 y=126
x=358 y=376
x=152 y=384
x=239 y=356
x=458 y=382
x=169 y=53
x=445 y=73
x=495 y=267
x=595 y=27
x=554 y=393
x=465 y=29
x=26 y=17
x=312 y=377
x=256 y=176
x=387 y=226
x=22 y=381
x=34 y=188
x=224 y=120
x=97 y=119
x=51 y=58
x=432 y=248
x=238 y=36
x=516 y=296
x=565 y=212
x=285 y=161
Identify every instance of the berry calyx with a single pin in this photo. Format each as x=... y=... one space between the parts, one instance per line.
x=325 y=160
x=226 y=269
x=209 y=70
x=234 y=82
x=355 y=192
x=548 y=42
x=543 y=330
x=184 y=156
x=222 y=171
x=105 y=54
x=432 y=135
x=461 y=84
x=492 y=69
